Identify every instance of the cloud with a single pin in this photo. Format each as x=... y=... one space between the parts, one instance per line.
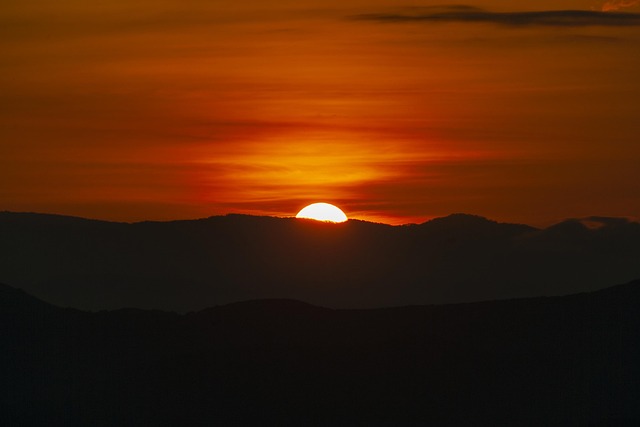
x=613 y=5
x=470 y=14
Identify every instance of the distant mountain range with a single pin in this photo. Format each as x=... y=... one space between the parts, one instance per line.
x=189 y=265
x=560 y=361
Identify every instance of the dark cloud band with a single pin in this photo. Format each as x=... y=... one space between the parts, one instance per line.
x=469 y=14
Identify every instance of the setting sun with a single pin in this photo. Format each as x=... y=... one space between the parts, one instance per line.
x=322 y=212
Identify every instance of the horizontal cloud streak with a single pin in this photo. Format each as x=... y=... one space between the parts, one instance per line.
x=469 y=14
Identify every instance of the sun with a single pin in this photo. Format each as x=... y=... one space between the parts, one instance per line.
x=322 y=212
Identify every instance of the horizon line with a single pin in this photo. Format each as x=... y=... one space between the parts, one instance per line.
x=601 y=219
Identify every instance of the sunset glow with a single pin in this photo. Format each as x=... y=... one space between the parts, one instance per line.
x=189 y=109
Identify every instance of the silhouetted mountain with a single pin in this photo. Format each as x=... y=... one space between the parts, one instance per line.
x=189 y=265
x=560 y=361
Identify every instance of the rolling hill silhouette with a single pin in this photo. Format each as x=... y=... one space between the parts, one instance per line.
x=189 y=265
x=559 y=361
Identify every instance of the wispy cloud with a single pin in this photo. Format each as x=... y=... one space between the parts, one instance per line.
x=470 y=14
x=613 y=5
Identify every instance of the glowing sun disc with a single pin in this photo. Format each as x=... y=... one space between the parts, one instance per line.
x=322 y=212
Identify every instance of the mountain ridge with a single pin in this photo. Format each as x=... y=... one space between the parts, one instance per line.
x=11 y=296
x=453 y=216
x=191 y=264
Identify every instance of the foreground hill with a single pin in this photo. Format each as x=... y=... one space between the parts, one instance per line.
x=561 y=361
x=189 y=265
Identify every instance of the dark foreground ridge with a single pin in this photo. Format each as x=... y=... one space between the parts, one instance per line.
x=561 y=361
x=189 y=265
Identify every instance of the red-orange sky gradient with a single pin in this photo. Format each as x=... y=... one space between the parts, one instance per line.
x=394 y=112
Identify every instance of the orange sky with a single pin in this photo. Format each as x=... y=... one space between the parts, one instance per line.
x=182 y=109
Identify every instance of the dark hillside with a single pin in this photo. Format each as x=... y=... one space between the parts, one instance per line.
x=190 y=265
x=557 y=361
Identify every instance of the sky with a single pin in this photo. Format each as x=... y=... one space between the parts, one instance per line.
x=396 y=112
